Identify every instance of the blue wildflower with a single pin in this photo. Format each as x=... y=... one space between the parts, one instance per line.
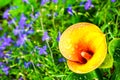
x=2 y=47
x=5 y=69
x=43 y=50
x=16 y=31
x=58 y=37
x=69 y=10
x=6 y=14
x=38 y=64
x=7 y=55
x=32 y=16
x=37 y=14
x=55 y=1
x=1 y=28
x=21 y=40
x=45 y=36
x=88 y=4
x=81 y=3
x=30 y=31
x=61 y=60
x=11 y=21
x=29 y=26
x=21 y=78
x=27 y=64
x=22 y=21
x=43 y=2
x=1 y=54
x=26 y=1
x=1 y=64
x=5 y=41
x=113 y=0
x=55 y=14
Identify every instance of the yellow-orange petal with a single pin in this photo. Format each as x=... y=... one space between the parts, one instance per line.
x=83 y=37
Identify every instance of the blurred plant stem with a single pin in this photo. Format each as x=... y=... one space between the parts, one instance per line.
x=41 y=22
x=53 y=20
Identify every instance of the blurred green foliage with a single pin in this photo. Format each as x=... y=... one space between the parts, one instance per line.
x=4 y=3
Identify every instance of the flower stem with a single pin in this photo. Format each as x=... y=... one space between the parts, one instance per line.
x=46 y=40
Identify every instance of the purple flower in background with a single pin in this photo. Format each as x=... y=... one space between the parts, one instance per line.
x=26 y=1
x=113 y=0
x=16 y=31
x=2 y=47
x=55 y=1
x=43 y=2
x=38 y=65
x=1 y=64
x=21 y=78
x=45 y=36
x=43 y=50
x=27 y=64
x=58 y=37
x=37 y=14
x=21 y=40
x=88 y=4
x=31 y=15
x=6 y=41
x=11 y=21
x=81 y=3
x=6 y=14
x=61 y=60
x=5 y=69
x=30 y=31
x=7 y=55
x=1 y=54
x=69 y=10
x=55 y=14
x=1 y=28
x=22 y=21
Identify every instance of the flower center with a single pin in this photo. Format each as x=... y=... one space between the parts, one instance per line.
x=85 y=56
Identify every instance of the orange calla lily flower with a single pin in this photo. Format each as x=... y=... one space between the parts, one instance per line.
x=84 y=46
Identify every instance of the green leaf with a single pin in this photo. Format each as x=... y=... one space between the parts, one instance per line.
x=114 y=49
x=94 y=75
x=47 y=78
x=108 y=62
x=4 y=2
x=116 y=74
